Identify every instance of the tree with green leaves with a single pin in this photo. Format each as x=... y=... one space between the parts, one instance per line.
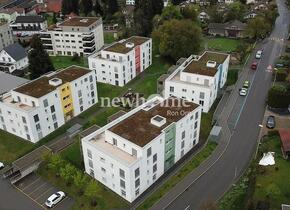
x=178 y=38
x=69 y=6
x=67 y=173
x=215 y=15
x=258 y=28
x=98 y=9
x=86 y=6
x=54 y=19
x=236 y=11
x=39 y=61
x=171 y=12
x=92 y=191
x=144 y=12
x=189 y=12
x=80 y=181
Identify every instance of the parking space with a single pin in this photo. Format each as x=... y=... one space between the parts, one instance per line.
x=39 y=190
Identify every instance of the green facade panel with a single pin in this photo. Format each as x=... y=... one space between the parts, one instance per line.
x=169 y=155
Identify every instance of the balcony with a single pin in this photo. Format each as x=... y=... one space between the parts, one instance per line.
x=46 y=42
x=89 y=45
x=89 y=38
x=45 y=36
x=90 y=50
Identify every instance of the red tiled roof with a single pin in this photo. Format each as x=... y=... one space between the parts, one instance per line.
x=285 y=139
x=54 y=6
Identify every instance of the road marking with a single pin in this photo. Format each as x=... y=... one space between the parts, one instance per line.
x=31 y=183
x=40 y=186
x=187 y=207
x=42 y=194
x=29 y=197
x=60 y=202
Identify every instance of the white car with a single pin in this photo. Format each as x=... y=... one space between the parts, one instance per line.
x=243 y=92
x=1 y=165
x=54 y=199
x=259 y=54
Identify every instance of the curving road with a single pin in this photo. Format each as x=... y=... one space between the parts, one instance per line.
x=240 y=131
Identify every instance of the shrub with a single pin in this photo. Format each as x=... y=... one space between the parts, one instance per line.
x=278 y=97
x=75 y=57
x=273 y=133
x=281 y=75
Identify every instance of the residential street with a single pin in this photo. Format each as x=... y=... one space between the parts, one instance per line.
x=240 y=121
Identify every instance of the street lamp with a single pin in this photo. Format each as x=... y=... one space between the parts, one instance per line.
x=275 y=70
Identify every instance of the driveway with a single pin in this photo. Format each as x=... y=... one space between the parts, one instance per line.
x=38 y=190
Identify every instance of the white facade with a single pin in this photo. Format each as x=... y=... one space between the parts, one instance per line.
x=195 y=80
x=78 y=35
x=39 y=107
x=6 y=35
x=132 y=2
x=128 y=166
x=121 y=62
x=28 y=25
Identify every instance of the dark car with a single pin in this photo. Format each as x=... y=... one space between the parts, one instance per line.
x=271 y=122
x=254 y=65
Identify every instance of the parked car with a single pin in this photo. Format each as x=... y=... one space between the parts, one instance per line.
x=1 y=165
x=259 y=54
x=246 y=84
x=243 y=91
x=254 y=65
x=54 y=199
x=271 y=122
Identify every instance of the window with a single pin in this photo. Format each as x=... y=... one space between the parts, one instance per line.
x=155 y=168
x=201 y=95
x=183 y=135
x=137 y=172
x=122 y=173
x=38 y=127
x=137 y=183
x=103 y=170
x=54 y=117
x=23 y=119
x=183 y=90
x=182 y=144
x=122 y=184
x=55 y=125
x=196 y=115
x=52 y=109
x=201 y=102
x=102 y=159
x=182 y=153
x=91 y=78
x=90 y=163
x=137 y=192
x=149 y=152
x=154 y=158
x=123 y=193
x=171 y=89
x=195 y=125
x=114 y=141
x=89 y=153
x=134 y=152
x=154 y=177
x=45 y=103
x=36 y=118
x=81 y=108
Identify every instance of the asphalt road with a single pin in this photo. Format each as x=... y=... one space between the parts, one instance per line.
x=244 y=121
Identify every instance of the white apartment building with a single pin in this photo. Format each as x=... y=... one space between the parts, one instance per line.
x=5 y=35
x=129 y=154
x=28 y=25
x=199 y=78
x=76 y=35
x=122 y=61
x=37 y=108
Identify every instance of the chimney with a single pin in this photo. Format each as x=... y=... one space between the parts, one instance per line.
x=55 y=82
x=211 y=64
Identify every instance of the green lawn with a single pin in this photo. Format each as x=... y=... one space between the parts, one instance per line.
x=61 y=62
x=106 y=199
x=273 y=182
x=109 y=37
x=12 y=147
x=73 y=154
x=222 y=44
x=192 y=164
x=232 y=76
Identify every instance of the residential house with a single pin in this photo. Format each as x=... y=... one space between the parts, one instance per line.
x=28 y=25
x=233 y=29
x=132 y=2
x=13 y=57
x=132 y=152
x=5 y=34
x=199 y=78
x=285 y=142
x=122 y=61
x=250 y=15
x=75 y=36
x=37 y=108
x=9 y=82
x=203 y=16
